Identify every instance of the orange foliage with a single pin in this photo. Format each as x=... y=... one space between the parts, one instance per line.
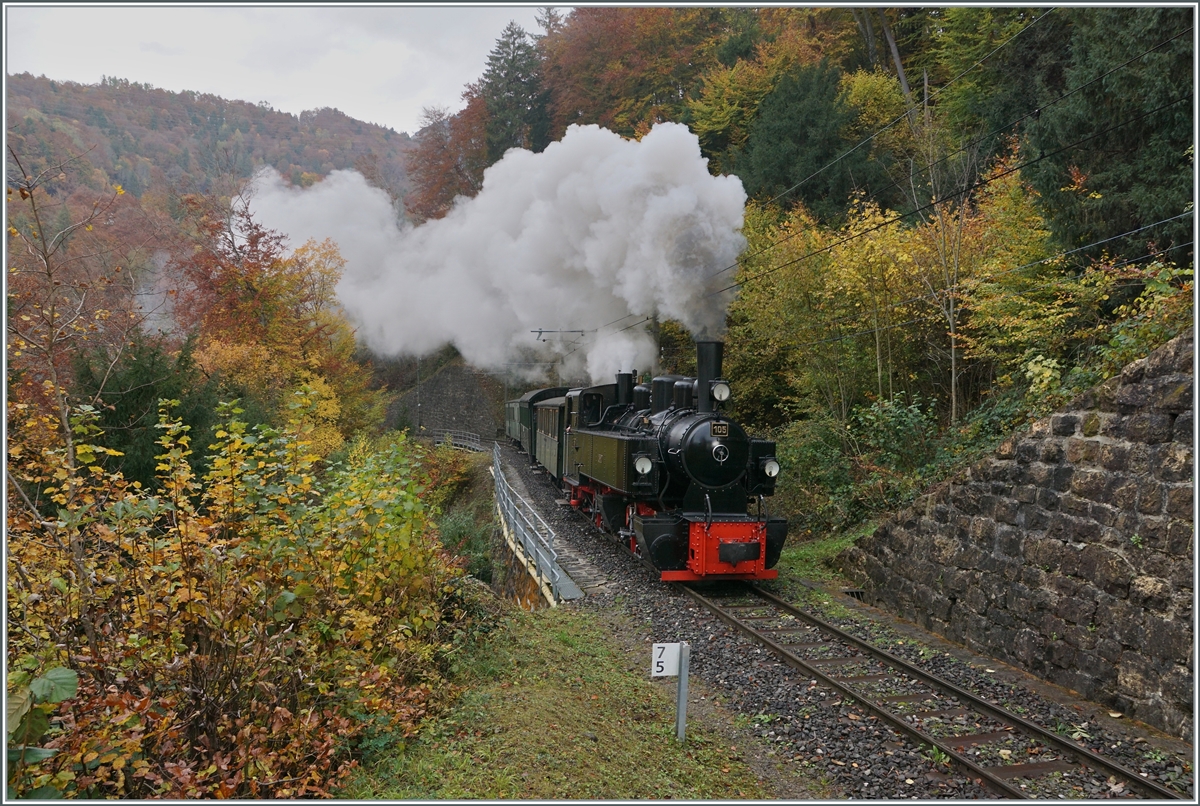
x=76 y=261
x=450 y=157
x=237 y=635
x=269 y=321
x=627 y=68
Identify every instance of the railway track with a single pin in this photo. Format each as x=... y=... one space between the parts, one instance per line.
x=1012 y=757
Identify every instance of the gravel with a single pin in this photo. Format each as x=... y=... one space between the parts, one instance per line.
x=797 y=723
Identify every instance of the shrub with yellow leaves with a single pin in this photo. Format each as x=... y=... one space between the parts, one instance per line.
x=239 y=634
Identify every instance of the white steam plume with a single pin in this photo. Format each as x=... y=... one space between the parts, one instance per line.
x=596 y=229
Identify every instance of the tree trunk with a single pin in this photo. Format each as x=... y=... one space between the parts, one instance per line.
x=863 y=18
x=891 y=40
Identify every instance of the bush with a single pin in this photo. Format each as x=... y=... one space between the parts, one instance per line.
x=466 y=535
x=898 y=434
x=127 y=395
x=816 y=480
x=242 y=634
x=836 y=475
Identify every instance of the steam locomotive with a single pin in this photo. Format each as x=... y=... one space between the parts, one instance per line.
x=662 y=468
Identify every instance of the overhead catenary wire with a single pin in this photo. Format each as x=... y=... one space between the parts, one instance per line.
x=1034 y=114
x=564 y=356
x=929 y=167
x=932 y=295
x=968 y=145
x=868 y=140
x=957 y=193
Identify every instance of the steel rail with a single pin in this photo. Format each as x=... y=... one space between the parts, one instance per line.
x=996 y=784
x=987 y=775
x=1031 y=729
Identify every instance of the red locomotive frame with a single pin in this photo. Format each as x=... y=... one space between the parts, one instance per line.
x=705 y=539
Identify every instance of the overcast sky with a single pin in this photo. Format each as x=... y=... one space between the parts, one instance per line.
x=377 y=63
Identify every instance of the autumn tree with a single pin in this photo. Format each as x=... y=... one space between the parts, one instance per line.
x=798 y=140
x=1020 y=303
x=627 y=68
x=760 y=47
x=72 y=284
x=450 y=157
x=987 y=61
x=127 y=401
x=268 y=321
x=1133 y=125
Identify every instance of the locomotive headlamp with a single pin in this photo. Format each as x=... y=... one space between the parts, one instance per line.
x=720 y=391
x=770 y=468
x=643 y=465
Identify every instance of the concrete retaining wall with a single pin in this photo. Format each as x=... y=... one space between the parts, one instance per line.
x=511 y=579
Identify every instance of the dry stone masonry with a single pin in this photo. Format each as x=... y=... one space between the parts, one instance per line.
x=1070 y=552
x=455 y=397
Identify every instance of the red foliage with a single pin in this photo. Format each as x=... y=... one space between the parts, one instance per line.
x=229 y=274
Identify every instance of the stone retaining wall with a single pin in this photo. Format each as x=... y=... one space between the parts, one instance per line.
x=510 y=579
x=456 y=397
x=1068 y=553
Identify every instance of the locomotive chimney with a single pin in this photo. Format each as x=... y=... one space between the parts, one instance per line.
x=708 y=369
x=624 y=388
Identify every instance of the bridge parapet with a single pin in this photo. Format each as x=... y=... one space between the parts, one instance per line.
x=530 y=539
x=461 y=440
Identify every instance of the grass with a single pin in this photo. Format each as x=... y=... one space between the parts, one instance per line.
x=811 y=559
x=554 y=709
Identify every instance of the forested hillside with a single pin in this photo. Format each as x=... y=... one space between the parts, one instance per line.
x=145 y=138
x=958 y=216
x=223 y=580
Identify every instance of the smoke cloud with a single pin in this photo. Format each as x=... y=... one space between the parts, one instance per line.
x=594 y=234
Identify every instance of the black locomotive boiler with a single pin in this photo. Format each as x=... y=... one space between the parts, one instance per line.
x=660 y=466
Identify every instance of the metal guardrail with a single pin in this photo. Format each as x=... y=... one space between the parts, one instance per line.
x=462 y=440
x=530 y=532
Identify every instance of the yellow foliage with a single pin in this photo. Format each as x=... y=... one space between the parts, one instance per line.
x=305 y=341
x=247 y=365
x=324 y=415
x=879 y=101
x=727 y=105
x=307 y=609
